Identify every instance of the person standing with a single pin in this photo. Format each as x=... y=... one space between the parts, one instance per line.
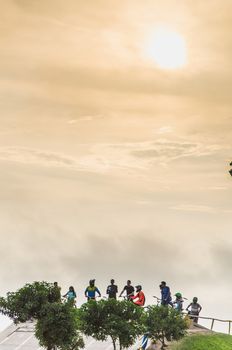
x=195 y=309
x=91 y=290
x=55 y=293
x=178 y=303
x=166 y=298
x=129 y=289
x=70 y=295
x=112 y=290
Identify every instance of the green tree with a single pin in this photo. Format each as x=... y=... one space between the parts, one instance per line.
x=119 y=320
x=27 y=302
x=56 y=323
x=57 y=327
x=163 y=323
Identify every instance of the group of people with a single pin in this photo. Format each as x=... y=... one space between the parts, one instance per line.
x=193 y=309
x=134 y=294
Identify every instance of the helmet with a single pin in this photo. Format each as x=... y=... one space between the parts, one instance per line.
x=178 y=295
x=138 y=288
x=195 y=299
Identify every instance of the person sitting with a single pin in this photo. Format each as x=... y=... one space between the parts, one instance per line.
x=139 y=298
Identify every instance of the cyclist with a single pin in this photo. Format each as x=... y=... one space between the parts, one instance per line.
x=139 y=298
x=166 y=298
x=112 y=290
x=195 y=309
x=178 y=303
x=91 y=291
x=129 y=289
x=70 y=295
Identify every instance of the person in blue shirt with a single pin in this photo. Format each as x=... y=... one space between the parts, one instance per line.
x=166 y=298
x=91 y=291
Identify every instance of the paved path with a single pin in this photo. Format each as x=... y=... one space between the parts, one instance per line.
x=22 y=338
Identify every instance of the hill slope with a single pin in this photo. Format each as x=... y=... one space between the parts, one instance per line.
x=205 y=342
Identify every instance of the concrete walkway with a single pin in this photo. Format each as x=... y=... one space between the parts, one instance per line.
x=22 y=338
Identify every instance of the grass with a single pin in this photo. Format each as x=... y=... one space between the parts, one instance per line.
x=205 y=342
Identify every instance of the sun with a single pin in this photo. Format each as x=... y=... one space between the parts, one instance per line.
x=167 y=49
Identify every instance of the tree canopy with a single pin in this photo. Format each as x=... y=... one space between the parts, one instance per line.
x=119 y=320
x=163 y=322
x=26 y=303
x=56 y=323
x=57 y=326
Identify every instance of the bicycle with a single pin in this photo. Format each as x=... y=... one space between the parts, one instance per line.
x=127 y=297
x=158 y=300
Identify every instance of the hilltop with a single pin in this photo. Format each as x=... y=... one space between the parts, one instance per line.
x=205 y=342
x=201 y=338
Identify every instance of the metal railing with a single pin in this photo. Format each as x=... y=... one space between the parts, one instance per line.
x=212 y=321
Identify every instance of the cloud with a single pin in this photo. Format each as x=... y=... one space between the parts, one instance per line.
x=81 y=119
x=218 y=188
x=84 y=258
x=221 y=255
x=107 y=157
x=227 y=211
x=35 y=156
x=200 y=208
x=143 y=155
x=164 y=130
x=194 y=207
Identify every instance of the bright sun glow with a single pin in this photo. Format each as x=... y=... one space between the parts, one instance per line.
x=167 y=48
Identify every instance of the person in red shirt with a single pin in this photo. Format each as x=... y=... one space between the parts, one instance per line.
x=139 y=298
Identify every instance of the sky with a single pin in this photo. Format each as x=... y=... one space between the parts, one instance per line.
x=111 y=165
